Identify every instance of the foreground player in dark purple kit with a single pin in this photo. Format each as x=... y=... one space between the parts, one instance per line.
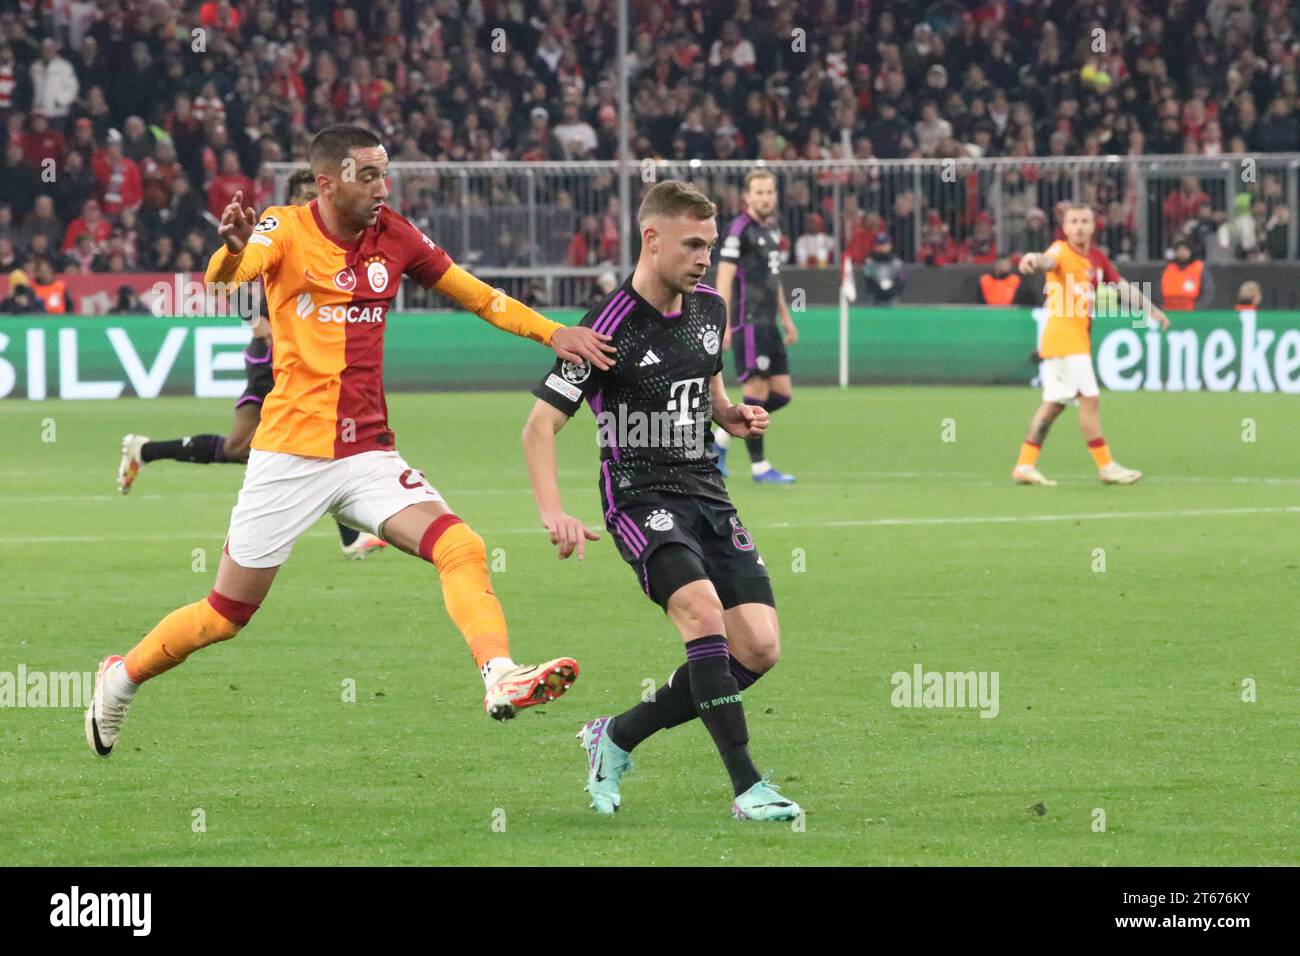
x=664 y=499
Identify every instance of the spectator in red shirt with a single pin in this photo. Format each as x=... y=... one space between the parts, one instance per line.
x=221 y=14
x=286 y=83
x=40 y=143
x=982 y=247
x=609 y=241
x=584 y=247
x=862 y=237
x=360 y=89
x=157 y=173
x=90 y=223
x=83 y=139
x=858 y=245
x=937 y=247
x=117 y=177
x=1182 y=205
x=226 y=183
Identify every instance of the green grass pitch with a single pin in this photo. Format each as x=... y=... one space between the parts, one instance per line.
x=1119 y=690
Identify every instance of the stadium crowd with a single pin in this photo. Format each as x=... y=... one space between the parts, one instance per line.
x=127 y=125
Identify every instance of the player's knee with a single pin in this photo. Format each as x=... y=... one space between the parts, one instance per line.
x=700 y=613
x=777 y=400
x=449 y=545
x=764 y=653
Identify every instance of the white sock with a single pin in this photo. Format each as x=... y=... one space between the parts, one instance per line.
x=494 y=668
x=759 y=467
x=721 y=437
x=117 y=683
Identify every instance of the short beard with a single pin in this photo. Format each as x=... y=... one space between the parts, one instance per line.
x=360 y=223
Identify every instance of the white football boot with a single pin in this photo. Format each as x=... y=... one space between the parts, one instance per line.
x=130 y=463
x=527 y=686
x=1117 y=474
x=107 y=707
x=365 y=545
x=1029 y=475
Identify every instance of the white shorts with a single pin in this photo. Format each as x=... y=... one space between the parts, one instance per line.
x=1067 y=377
x=284 y=495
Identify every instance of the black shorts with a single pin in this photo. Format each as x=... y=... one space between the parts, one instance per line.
x=759 y=350
x=714 y=546
x=258 y=369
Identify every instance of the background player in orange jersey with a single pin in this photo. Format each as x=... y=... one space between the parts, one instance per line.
x=1075 y=268
x=331 y=270
x=232 y=448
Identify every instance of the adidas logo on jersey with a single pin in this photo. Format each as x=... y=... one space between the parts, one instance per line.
x=648 y=359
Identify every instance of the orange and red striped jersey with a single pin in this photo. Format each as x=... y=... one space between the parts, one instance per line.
x=327 y=302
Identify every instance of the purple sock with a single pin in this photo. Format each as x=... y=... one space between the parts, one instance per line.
x=744 y=676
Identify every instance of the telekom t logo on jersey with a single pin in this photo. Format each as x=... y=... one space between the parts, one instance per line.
x=684 y=398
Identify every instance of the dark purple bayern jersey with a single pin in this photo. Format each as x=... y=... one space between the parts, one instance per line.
x=756 y=251
x=653 y=408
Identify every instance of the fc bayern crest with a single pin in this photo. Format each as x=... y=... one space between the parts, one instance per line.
x=576 y=372
x=346 y=280
x=659 y=520
x=377 y=276
x=711 y=342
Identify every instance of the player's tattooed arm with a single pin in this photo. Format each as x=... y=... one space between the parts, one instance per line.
x=787 y=320
x=726 y=274
x=1032 y=262
x=567 y=533
x=743 y=421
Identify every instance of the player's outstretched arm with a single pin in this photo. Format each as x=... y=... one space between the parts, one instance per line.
x=576 y=344
x=567 y=533
x=743 y=421
x=1032 y=262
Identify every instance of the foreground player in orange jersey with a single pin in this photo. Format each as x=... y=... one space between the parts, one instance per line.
x=139 y=450
x=1075 y=268
x=331 y=270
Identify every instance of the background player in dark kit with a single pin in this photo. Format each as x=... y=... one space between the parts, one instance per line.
x=663 y=498
x=751 y=255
